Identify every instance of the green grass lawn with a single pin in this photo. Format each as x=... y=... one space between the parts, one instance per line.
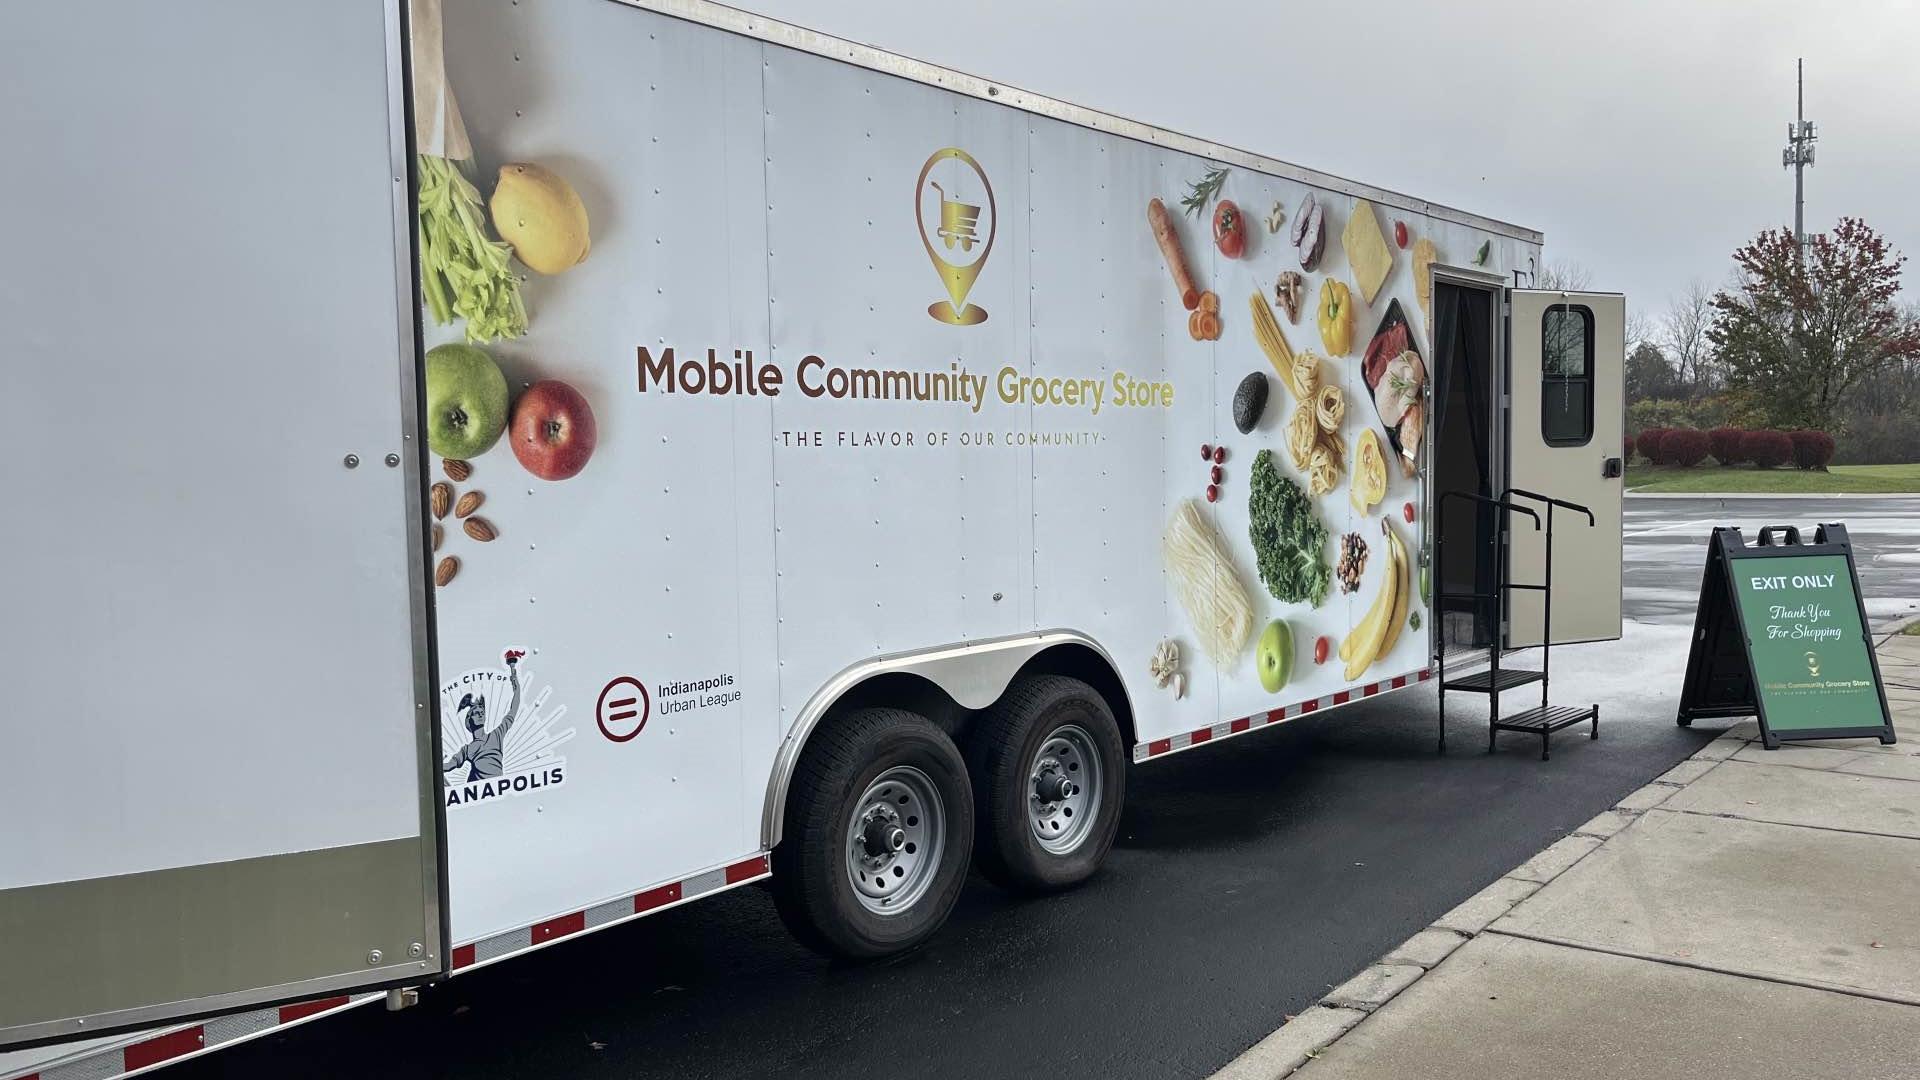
x=1863 y=479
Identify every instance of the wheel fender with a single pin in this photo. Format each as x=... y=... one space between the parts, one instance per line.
x=974 y=674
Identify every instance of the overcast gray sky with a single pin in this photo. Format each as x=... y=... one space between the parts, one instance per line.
x=1642 y=137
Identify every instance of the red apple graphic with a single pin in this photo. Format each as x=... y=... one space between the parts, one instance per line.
x=552 y=432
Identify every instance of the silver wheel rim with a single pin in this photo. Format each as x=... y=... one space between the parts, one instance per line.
x=1063 y=789
x=895 y=839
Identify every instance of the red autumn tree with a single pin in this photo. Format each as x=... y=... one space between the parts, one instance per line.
x=1795 y=337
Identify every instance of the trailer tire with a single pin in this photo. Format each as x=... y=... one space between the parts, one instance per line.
x=835 y=881
x=1045 y=730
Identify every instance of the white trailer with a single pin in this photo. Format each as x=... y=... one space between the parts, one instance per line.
x=880 y=479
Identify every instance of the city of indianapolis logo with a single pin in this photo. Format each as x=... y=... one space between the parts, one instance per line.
x=497 y=742
x=948 y=196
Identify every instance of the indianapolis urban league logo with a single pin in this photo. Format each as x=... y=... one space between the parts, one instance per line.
x=948 y=195
x=498 y=742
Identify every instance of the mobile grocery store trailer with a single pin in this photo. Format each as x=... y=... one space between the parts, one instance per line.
x=502 y=473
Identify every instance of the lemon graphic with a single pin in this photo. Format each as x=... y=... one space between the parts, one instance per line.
x=540 y=214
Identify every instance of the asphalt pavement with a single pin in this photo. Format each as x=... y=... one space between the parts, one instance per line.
x=1666 y=548
x=1250 y=877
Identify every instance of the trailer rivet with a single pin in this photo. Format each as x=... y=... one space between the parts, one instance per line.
x=351 y=461
x=373 y=957
x=416 y=950
x=393 y=461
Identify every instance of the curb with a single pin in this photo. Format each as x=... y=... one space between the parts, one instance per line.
x=1302 y=1038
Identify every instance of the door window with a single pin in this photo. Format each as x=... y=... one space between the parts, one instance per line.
x=1566 y=375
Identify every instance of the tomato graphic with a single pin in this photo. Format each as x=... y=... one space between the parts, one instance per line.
x=1229 y=229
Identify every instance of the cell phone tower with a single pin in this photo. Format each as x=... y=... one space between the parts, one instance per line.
x=1797 y=155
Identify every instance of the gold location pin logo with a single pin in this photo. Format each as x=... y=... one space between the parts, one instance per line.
x=957 y=225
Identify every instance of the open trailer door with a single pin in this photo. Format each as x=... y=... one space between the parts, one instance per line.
x=1566 y=362
x=219 y=725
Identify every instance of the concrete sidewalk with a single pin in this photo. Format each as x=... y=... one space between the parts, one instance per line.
x=1750 y=913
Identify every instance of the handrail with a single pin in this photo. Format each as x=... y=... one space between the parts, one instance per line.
x=1551 y=501
x=1490 y=501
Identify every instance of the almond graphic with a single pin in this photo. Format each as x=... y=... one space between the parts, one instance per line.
x=468 y=504
x=443 y=573
x=457 y=470
x=438 y=534
x=480 y=529
x=440 y=498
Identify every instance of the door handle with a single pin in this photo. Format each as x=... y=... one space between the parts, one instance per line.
x=1612 y=468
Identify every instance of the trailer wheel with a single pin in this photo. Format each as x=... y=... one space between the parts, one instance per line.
x=879 y=831
x=1049 y=774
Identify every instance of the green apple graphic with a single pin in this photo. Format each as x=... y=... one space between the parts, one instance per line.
x=466 y=401
x=1274 y=657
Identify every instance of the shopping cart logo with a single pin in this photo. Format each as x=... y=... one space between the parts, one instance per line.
x=950 y=196
x=498 y=738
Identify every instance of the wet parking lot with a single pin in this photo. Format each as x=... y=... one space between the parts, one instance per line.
x=1666 y=548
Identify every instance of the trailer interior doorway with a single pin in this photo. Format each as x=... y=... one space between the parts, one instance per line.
x=1466 y=458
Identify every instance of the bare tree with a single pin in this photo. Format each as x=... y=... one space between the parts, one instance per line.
x=1641 y=329
x=1688 y=343
x=1564 y=275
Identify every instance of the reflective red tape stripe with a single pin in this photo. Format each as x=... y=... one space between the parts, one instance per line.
x=560 y=927
x=1274 y=716
x=749 y=868
x=463 y=957
x=303 y=1009
x=653 y=898
x=164 y=1047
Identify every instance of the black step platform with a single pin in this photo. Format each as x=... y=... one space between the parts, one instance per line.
x=1493 y=680
x=1544 y=720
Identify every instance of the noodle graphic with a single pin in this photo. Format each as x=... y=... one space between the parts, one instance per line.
x=1216 y=603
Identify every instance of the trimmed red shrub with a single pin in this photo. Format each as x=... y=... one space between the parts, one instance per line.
x=1767 y=449
x=1811 y=449
x=1724 y=444
x=1684 y=447
x=1648 y=443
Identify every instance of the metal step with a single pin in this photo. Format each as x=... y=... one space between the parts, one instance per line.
x=1546 y=718
x=1482 y=682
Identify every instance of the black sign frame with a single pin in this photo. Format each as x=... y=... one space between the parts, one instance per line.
x=1719 y=681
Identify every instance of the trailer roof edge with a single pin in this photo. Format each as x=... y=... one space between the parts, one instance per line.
x=773 y=31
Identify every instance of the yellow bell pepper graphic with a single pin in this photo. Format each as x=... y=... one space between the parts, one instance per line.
x=1336 y=317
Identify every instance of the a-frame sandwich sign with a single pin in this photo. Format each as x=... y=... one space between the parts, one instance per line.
x=1781 y=635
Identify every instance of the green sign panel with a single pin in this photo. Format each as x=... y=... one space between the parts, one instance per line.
x=1781 y=635
x=1812 y=661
